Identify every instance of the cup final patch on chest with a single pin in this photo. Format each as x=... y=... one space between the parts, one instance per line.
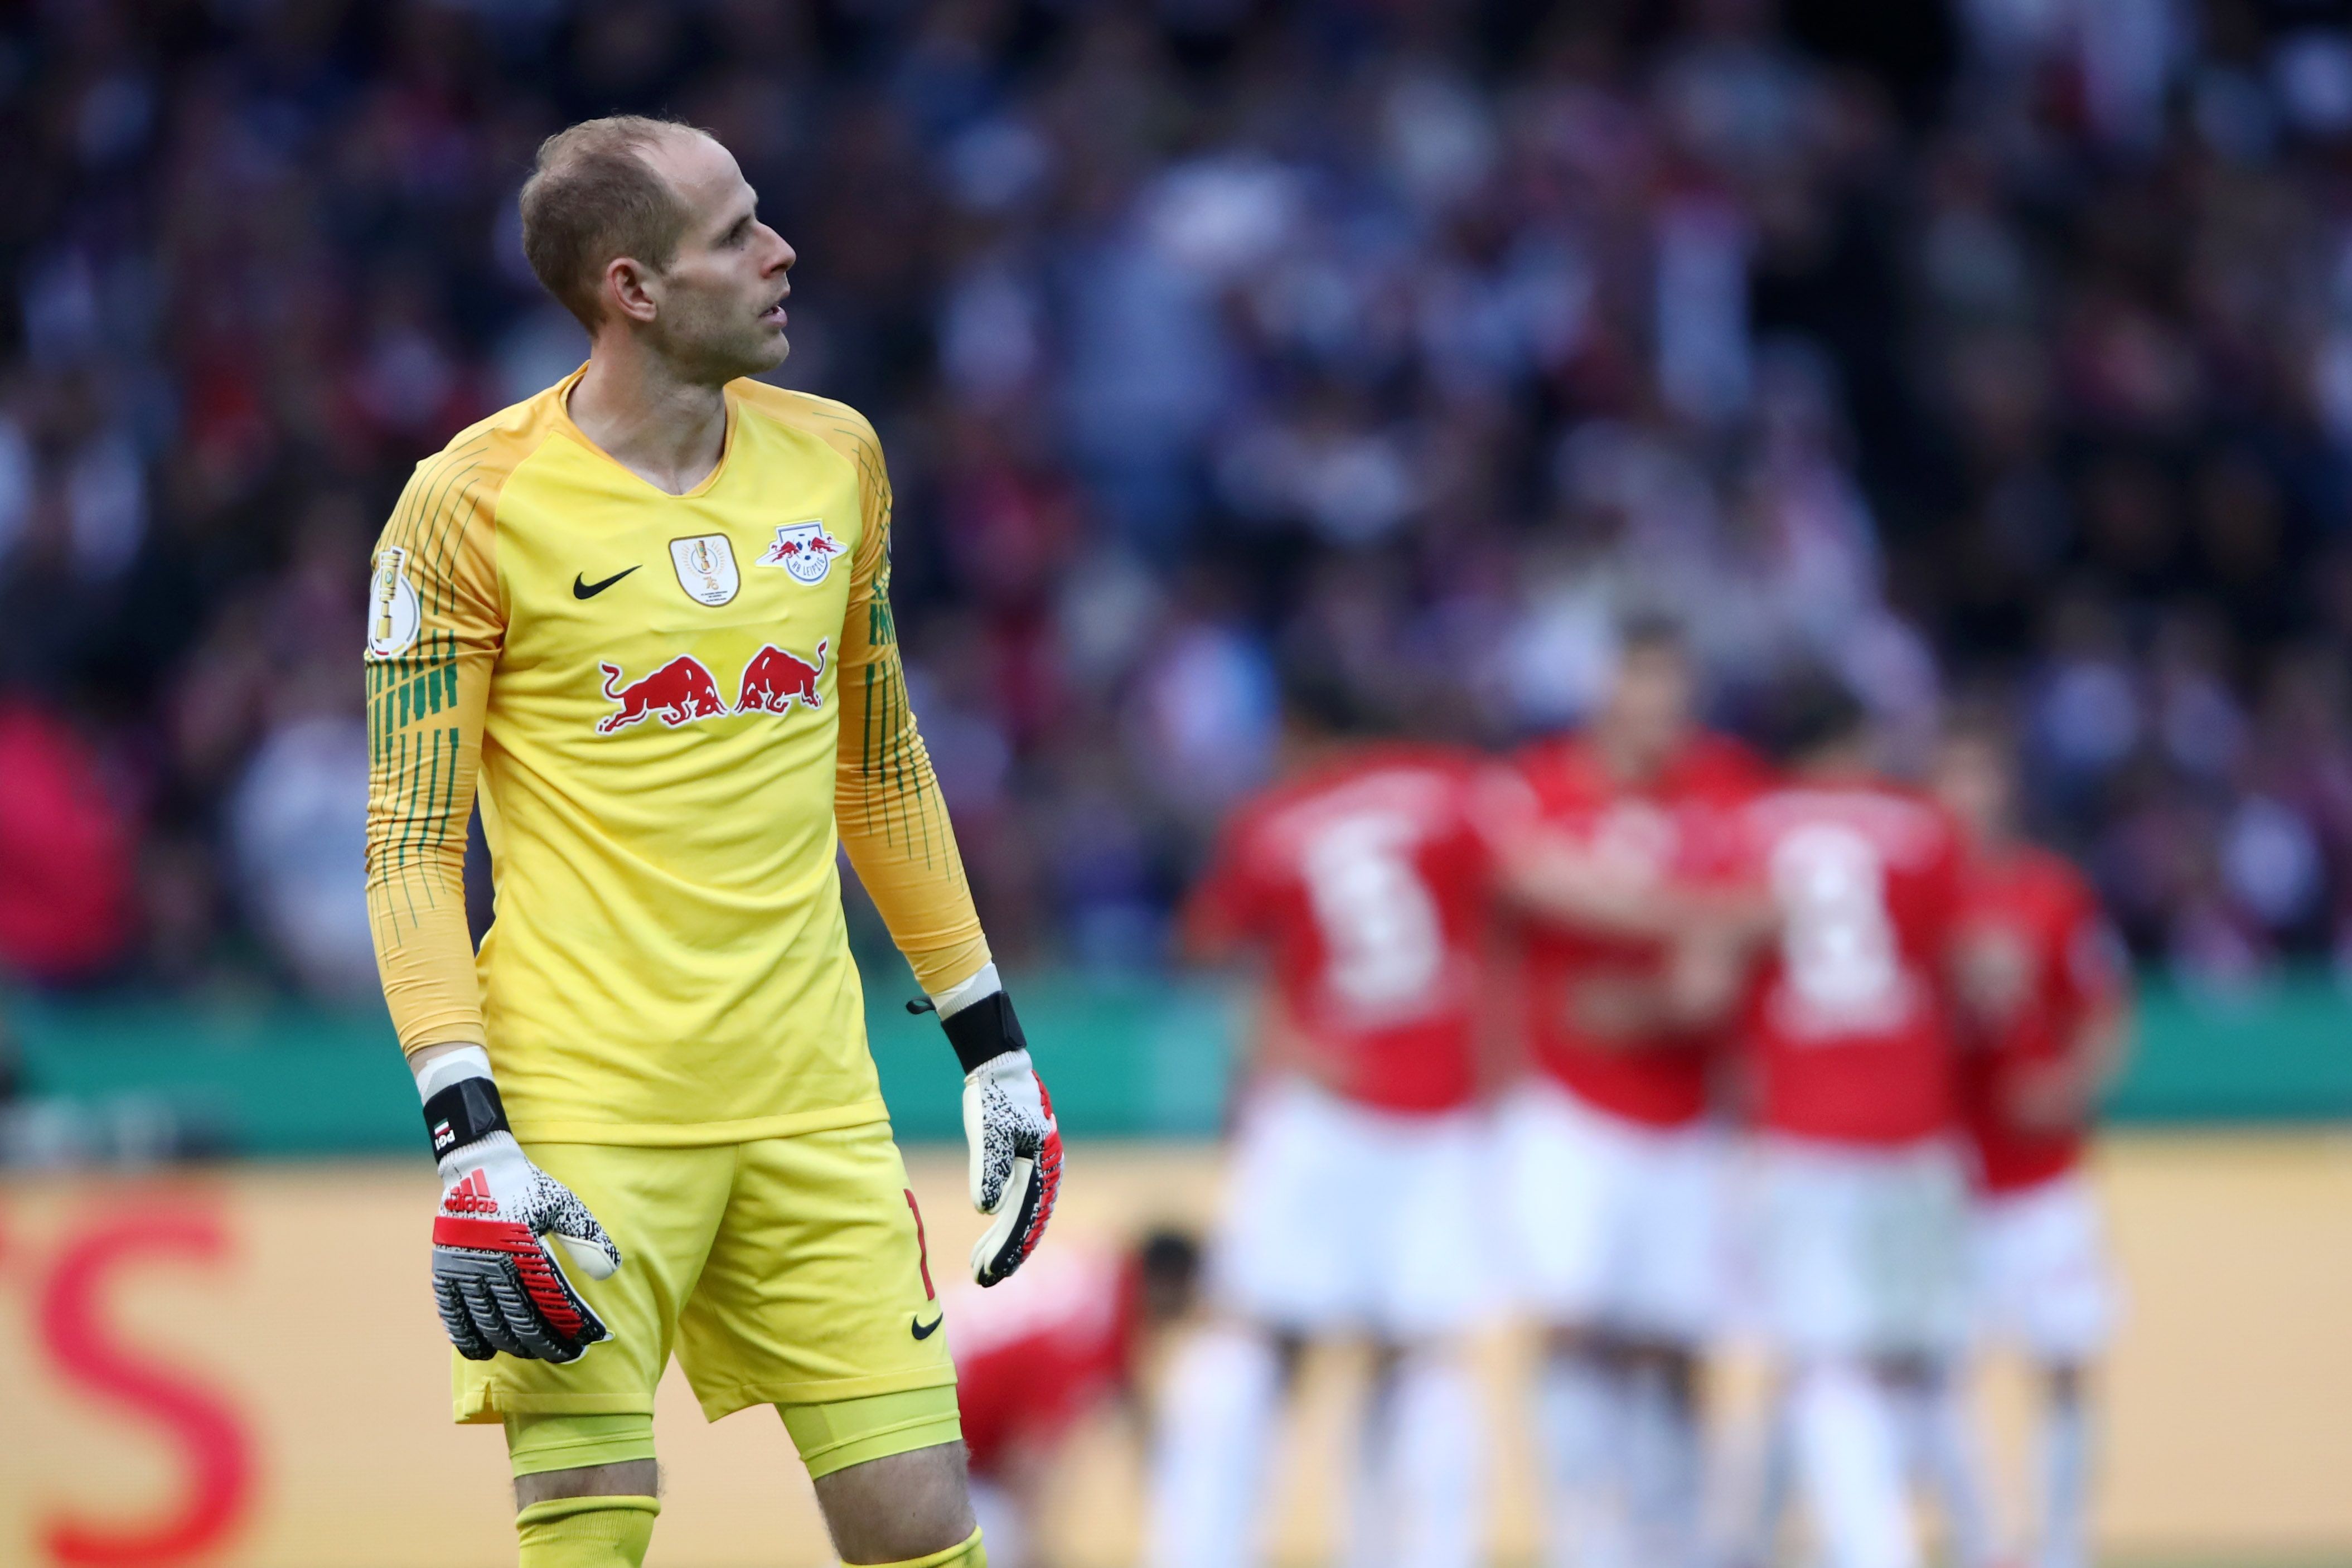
x=706 y=568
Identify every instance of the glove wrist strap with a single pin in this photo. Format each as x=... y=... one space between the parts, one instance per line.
x=983 y=1031
x=467 y=1111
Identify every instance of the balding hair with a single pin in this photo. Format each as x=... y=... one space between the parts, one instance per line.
x=594 y=197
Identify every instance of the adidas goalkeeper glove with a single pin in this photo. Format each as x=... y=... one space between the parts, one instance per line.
x=1008 y=1122
x=496 y=1280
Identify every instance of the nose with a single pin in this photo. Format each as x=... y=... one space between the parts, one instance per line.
x=786 y=256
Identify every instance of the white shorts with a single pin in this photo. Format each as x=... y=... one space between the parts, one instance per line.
x=1614 y=1223
x=2041 y=1277
x=1863 y=1250
x=1340 y=1218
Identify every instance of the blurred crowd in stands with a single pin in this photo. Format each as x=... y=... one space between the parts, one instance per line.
x=2005 y=349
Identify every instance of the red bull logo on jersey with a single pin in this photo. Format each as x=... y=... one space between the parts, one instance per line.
x=775 y=680
x=679 y=692
x=803 y=548
x=683 y=690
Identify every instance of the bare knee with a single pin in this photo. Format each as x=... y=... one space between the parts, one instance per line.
x=1908 y=1373
x=899 y=1506
x=1595 y=1345
x=1675 y=1367
x=629 y=1478
x=1289 y=1355
x=1575 y=1341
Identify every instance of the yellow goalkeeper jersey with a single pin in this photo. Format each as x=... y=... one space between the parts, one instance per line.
x=676 y=706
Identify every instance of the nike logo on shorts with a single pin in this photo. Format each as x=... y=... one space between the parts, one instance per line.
x=925 y=1331
x=582 y=589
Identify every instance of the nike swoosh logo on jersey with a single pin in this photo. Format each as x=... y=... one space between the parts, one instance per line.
x=925 y=1331
x=582 y=589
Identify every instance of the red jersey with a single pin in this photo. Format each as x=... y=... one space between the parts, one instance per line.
x=2035 y=958
x=1034 y=1355
x=1658 y=828
x=1848 y=1015
x=1368 y=882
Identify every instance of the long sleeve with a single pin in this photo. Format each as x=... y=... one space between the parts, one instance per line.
x=434 y=633
x=893 y=820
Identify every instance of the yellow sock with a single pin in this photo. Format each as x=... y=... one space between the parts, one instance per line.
x=590 y=1532
x=966 y=1553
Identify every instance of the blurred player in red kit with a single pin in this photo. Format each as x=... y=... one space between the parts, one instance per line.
x=1038 y=1354
x=1861 y=1243
x=1356 y=1189
x=2043 y=1006
x=1612 y=1162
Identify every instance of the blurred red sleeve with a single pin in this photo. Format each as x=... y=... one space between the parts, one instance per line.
x=1227 y=905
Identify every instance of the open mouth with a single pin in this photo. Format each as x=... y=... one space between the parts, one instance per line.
x=775 y=314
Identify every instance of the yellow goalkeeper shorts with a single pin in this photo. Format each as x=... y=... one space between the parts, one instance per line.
x=781 y=1271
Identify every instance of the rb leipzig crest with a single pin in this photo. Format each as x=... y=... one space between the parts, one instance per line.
x=803 y=548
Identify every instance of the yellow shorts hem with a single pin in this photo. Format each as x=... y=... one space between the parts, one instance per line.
x=928 y=1432
x=531 y=1129
x=841 y=1433
x=489 y=1405
x=727 y=1399
x=538 y=1442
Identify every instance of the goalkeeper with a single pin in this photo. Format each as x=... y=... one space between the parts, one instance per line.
x=648 y=611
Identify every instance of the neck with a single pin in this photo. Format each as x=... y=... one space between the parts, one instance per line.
x=1842 y=760
x=1627 y=762
x=1304 y=751
x=1996 y=840
x=667 y=430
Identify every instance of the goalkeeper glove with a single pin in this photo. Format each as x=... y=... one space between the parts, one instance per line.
x=1008 y=1122
x=496 y=1280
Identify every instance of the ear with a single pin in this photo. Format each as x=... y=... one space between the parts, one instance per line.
x=628 y=294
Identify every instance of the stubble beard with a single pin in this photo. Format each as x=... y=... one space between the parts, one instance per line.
x=710 y=347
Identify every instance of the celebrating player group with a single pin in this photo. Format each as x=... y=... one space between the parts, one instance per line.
x=1653 y=1041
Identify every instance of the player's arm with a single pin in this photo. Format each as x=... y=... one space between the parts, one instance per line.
x=1499 y=804
x=1694 y=990
x=1711 y=956
x=1224 y=916
x=2065 y=1093
x=1624 y=1012
x=1501 y=1041
x=894 y=824
x=1709 y=972
x=1276 y=1047
x=1547 y=874
x=434 y=629
x=1224 y=924
x=1553 y=877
